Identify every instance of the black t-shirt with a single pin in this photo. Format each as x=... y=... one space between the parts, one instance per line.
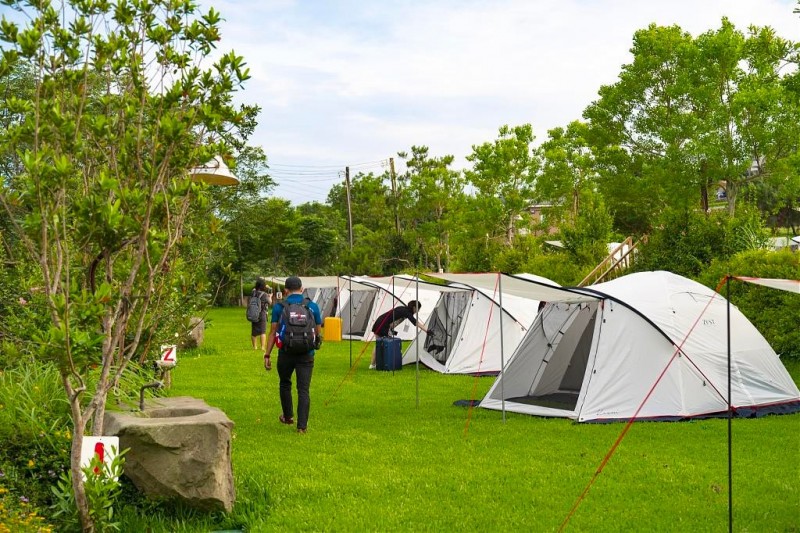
x=388 y=320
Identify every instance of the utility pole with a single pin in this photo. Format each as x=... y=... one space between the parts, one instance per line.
x=349 y=210
x=394 y=196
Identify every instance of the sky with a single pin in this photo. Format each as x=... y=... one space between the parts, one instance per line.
x=352 y=83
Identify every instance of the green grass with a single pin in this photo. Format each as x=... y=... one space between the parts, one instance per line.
x=374 y=460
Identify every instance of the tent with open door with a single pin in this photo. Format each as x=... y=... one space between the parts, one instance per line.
x=466 y=325
x=355 y=307
x=597 y=353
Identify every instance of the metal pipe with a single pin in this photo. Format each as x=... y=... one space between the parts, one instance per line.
x=151 y=385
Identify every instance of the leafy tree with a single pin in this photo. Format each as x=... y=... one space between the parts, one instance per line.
x=586 y=241
x=430 y=195
x=369 y=201
x=751 y=121
x=234 y=208
x=310 y=248
x=263 y=227
x=686 y=242
x=373 y=225
x=568 y=167
x=505 y=171
x=642 y=124
x=120 y=110
x=480 y=237
x=689 y=113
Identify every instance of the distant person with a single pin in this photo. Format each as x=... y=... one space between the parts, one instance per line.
x=296 y=330
x=258 y=328
x=384 y=325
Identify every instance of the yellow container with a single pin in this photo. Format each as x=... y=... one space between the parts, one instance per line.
x=333 y=329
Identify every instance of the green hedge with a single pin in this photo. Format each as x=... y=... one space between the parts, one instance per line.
x=775 y=313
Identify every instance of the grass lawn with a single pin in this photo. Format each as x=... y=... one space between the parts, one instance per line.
x=375 y=460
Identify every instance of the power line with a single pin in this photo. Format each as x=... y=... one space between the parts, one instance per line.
x=378 y=162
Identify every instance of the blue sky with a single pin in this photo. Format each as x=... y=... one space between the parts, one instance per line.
x=353 y=82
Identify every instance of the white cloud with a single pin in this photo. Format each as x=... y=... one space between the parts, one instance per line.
x=342 y=82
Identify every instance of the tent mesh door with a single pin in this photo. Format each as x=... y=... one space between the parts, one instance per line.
x=444 y=324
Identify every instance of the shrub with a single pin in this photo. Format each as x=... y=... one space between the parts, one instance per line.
x=18 y=515
x=34 y=430
x=775 y=313
x=557 y=266
x=686 y=242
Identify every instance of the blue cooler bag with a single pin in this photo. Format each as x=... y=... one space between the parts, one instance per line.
x=388 y=354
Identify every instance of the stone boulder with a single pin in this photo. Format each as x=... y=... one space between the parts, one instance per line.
x=196 y=333
x=178 y=448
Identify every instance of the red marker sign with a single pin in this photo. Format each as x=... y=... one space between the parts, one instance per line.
x=169 y=354
x=100 y=453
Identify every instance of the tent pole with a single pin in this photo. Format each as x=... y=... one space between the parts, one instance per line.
x=350 y=318
x=730 y=408
x=394 y=302
x=416 y=341
x=502 y=355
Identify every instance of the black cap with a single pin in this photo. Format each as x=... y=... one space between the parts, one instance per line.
x=293 y=283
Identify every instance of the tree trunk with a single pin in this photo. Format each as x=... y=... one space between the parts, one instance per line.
x=78 y=489
x=575 y=204
x=704 y=198
x=97 y=419
x=730 y=185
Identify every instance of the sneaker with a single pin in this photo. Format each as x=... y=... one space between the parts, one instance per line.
x=372 y=367
x=301 y=430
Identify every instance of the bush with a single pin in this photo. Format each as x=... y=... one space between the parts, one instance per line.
x=557 y=266
x=18 y=515
x=22 y=312
x=587 y=241
x=775 y=313
x=686 y=242
x=34 y=431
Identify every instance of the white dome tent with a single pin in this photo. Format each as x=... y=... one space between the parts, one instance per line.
x=467 y=324
x=651 y=345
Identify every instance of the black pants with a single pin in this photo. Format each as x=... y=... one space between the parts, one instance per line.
x=304 y=366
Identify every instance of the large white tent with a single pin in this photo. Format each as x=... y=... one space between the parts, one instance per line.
x=470 y=330
x=651 y=345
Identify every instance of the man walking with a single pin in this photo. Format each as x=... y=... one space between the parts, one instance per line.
x=296 y=330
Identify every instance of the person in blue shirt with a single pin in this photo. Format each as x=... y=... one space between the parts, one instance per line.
x=288 y=364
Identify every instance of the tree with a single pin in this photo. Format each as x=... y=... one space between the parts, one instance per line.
x=750 y=120
x=236 y=207
x=120 y=110
x=505 y=171
x=568 y=167
x=430 y=194
x=640 y=127
x=690 y=113
x=374 y=235
x=310 y=247
x=586 y=239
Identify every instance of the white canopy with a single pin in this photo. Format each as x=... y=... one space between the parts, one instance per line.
x=790 y=285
